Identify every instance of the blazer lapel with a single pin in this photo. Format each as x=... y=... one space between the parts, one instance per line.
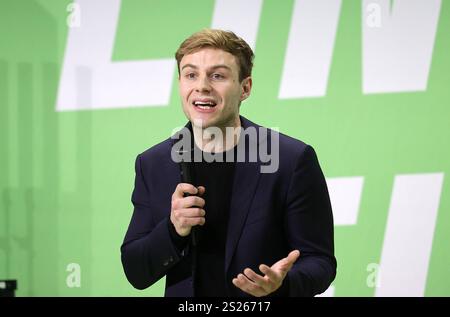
x=245 y=182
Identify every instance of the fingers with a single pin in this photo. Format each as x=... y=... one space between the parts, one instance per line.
x=188 y=213
x=257 y=285
x=188 y=202
x=246 y=285
x=191 y=201
x=270 y=273
x=266 y=283
x=184 y=219
x=256 y=278
x=187 y=222
x=184 y=188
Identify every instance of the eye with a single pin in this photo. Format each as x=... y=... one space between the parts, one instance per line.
x=217 y=76
x=190 y=75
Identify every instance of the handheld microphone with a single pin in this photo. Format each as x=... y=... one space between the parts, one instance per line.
x=187 y=176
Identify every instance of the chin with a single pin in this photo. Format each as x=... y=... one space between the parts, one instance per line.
x=204 y=123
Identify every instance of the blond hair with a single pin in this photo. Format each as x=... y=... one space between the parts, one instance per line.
x=223 y=40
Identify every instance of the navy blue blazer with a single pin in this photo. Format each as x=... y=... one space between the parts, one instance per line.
x=271 y=214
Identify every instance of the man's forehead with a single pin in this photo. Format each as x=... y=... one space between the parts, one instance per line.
x=209 y=57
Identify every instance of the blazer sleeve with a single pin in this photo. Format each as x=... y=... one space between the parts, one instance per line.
x=309 y=223
x=147 y=252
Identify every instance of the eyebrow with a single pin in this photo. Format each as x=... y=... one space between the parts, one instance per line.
x=213 y=67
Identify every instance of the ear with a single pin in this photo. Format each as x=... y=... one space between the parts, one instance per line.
x=246 y=88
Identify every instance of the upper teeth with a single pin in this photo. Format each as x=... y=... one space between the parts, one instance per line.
x=203 y=103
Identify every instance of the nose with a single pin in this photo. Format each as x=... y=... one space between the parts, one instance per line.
x=203 y=84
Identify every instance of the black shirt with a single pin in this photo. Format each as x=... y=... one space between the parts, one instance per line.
x=217 y=178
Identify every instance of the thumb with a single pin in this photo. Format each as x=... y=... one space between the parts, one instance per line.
x=293 y=256
x=201 y=190
x=286 y=263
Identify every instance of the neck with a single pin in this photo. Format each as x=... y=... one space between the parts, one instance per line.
x=217 y=138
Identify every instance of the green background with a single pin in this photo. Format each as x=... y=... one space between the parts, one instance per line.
x=66 y=177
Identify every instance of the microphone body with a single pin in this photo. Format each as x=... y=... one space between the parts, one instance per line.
x=187 y=176
x=187 y=173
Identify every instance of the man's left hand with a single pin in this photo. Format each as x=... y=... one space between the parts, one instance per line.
x=258 y=285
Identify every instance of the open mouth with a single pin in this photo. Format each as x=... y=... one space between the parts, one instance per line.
x=205 y=105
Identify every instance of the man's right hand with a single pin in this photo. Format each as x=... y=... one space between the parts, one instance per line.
x=188 y=211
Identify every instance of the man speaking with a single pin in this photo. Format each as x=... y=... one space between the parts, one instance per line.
x=249 y=214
